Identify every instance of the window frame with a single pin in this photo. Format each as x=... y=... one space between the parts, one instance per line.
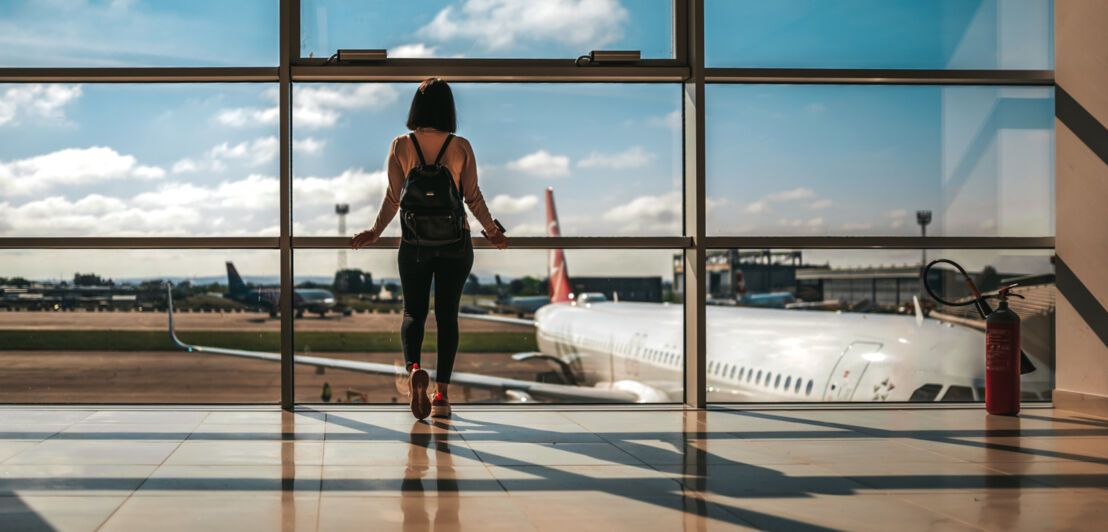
x=686 y=67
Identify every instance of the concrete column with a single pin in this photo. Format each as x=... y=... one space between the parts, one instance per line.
x=1081 y=195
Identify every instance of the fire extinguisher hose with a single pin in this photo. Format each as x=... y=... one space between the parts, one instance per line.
x=978 y=301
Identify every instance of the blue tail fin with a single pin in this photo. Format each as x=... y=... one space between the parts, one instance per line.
x=234 y=282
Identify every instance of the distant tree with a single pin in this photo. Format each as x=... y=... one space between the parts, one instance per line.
x=19 y=282
x=472 y=286
x=91 y=279
x=526 y=286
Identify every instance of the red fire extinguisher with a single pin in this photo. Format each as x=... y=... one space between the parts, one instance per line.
x=1002 y=358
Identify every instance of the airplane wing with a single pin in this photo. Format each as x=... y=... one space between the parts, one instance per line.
x=476 y=380
x=497 y=319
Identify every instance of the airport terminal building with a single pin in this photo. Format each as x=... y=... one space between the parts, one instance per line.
x=553 y=265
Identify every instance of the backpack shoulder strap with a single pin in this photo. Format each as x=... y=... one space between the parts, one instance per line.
x=445 y=143
x=419 y=152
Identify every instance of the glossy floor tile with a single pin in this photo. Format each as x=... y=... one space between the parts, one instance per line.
x=514 y=468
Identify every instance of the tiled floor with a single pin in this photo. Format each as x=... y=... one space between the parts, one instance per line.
x=569 y=469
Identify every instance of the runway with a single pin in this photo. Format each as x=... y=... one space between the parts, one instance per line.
x=221 y=321
x=181 y=377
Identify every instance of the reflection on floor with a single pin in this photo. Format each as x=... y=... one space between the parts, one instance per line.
x=569 y=469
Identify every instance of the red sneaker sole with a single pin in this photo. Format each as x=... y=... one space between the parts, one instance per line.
x=421 y=404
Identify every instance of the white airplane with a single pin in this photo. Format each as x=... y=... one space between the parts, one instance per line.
x=633 y=352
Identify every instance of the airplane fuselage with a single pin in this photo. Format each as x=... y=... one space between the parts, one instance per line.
x=770 y=355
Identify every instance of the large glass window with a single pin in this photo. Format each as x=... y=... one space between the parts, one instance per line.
x=138 y=33
x=138 y=160
x=841 y=325
x=929 y=34
x=92 y=326
x=862 y=159
x=611 y=152
x=622 y=333
x=487 y=29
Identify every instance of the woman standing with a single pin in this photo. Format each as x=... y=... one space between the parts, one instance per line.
x=436 y=242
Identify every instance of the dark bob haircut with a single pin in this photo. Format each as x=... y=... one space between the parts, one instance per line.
x=433 y=106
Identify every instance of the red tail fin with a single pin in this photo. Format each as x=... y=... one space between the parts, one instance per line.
x=556 y=260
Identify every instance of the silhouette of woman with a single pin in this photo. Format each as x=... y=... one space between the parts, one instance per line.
x=433 y=121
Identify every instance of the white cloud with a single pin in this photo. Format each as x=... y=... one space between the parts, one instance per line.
x=248 y=116
x=36 y=102
x=899 y=213
x=815 y=222
x=413 y=50
x=635 y=157
x=354 y=185
x=71 y=166
x=671 y=120
x=502 y=24
x=318 y=107
x=759 y=207
x=857 y=226
x=93 y=214
x=308 y=145
x=542 y=163
x=649 y=213
x=250 y=153
x=505 y=204
x=314 y=107
x=820 y=204
x=794 y=194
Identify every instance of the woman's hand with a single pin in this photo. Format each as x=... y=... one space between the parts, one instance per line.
x=363 y=239
x=497 y=239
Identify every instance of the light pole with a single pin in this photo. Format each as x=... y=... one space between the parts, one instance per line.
x=923 y=218
x=342 y=209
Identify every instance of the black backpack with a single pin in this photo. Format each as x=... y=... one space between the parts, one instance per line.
x=431 y=212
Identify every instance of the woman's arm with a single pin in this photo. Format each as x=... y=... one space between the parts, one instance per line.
x=472 y=192
x=391 y=202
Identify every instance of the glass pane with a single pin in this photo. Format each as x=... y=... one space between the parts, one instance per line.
x=625 y=327
x=139 y=33
x=929 y=34
x=840 y=325
x=91 y=326
x=138 y=159
x=487 y=29
x=861 y=160
x=611 y=152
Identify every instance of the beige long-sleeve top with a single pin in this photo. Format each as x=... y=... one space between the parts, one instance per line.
x=458 y=159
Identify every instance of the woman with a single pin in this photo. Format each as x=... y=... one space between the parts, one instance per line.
x=432 y=121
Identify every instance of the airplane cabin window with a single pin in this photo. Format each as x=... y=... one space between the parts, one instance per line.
x=927 y=392
x=797 y=388
x=788 y=381
x=758 y=379
x=742 y=370
x=769 y=378
x=777 y=381
x=733 y=368
x=808 y=390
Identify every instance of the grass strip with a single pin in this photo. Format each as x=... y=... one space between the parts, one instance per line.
x=306 y=341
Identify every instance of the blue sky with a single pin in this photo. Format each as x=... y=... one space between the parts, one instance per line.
x=200 y=159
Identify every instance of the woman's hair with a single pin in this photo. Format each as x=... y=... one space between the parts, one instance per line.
x=433 y=106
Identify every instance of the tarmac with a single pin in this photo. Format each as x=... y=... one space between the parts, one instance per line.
x=118 y=377
x=223 y=321
x=182 y=377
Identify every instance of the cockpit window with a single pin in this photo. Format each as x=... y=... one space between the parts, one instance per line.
x=927 y=392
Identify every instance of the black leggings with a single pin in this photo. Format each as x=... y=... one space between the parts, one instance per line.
x=449 y=269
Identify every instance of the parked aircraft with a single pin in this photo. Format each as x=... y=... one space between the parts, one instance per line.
x=314 y=300
x=624 y=352
x=518 y=305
